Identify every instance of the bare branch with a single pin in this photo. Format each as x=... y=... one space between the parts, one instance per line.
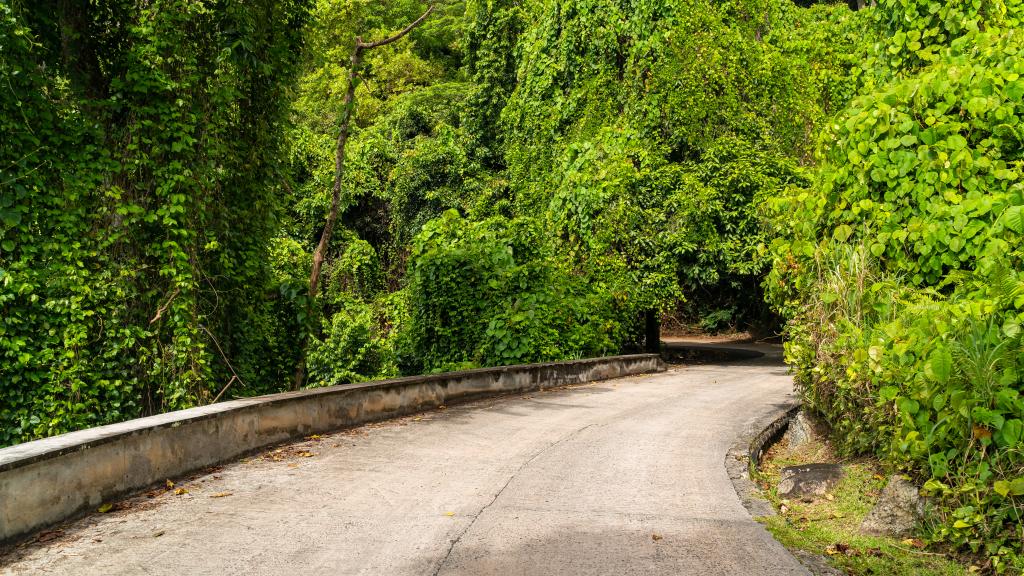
x=348 y=108
x=224 y=389
x=397 y=37
x=234 y=375
x=160 y=311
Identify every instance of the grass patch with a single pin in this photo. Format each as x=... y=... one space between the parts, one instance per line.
x=830 y=526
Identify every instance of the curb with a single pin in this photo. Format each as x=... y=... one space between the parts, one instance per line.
x=745 y=455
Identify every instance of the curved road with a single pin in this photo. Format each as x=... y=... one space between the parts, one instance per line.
x=616 y=477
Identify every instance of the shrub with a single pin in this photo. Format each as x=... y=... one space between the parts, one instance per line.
x=489 y=293
x=900 y=276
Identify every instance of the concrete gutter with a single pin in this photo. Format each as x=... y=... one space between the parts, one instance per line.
x=744 y=457
x=47 y=481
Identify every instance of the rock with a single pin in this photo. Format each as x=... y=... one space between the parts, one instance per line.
x=898 y=510
x=800 y=430
x=808 y=480
x=816 y=564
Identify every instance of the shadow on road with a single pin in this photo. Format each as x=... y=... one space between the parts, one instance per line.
x=684 y=352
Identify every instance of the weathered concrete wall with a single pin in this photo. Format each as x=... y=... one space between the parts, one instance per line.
x=49 y=480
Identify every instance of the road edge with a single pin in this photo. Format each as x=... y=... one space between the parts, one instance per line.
x=47 y=481
x=745 y=455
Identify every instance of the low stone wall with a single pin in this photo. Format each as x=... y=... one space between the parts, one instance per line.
x=46 y=481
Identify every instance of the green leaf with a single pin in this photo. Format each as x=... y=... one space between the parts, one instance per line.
x=1013 y=219
x=842 y=232
x=1001 y=487
x=1012 y=432
x=1017 y=487
x=977 y=106
x=939 y=366
x=10 y=218
x=909 y=406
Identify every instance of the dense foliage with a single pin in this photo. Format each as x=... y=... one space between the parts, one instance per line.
x=138 y=196
x=527 y=180
x=524 y=181
x=902 y=271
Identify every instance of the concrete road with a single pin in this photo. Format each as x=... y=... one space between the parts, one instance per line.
x=617 y=477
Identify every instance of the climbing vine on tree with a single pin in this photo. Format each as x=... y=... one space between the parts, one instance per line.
x=139 y=189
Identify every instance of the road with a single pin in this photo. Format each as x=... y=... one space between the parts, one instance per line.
x=617 y=477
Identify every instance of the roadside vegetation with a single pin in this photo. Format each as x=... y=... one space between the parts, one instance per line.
x=900 y=268
x=523 y=180
x=829 y=527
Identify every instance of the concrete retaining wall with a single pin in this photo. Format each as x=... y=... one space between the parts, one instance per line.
x=46 y=481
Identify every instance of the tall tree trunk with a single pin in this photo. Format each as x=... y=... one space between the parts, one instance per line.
x=652 y=332
x=348 y=109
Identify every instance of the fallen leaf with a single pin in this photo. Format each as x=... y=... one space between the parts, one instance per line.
x=839 y=548
x=981 y=433
x=656 y=537
x=441 y=407
x=169 y=484
x=180 y=491
x=105 y=507
x=913 y=542
x=158 y=533
x=293 y=465
x=306 y=454
x=449 y=514
x=220 y=494
x=49 y=535
x=314 y=437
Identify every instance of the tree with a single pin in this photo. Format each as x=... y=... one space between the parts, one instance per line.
x=348 y=108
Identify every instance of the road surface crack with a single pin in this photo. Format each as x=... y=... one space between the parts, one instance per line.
x=497 y=494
